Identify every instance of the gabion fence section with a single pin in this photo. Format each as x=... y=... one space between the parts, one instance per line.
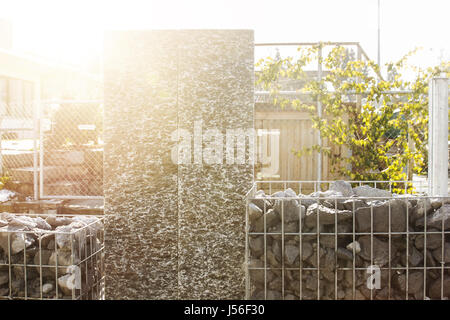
x=346 y=241
x=51 y=257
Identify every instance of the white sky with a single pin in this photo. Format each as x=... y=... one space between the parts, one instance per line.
x=71 y=30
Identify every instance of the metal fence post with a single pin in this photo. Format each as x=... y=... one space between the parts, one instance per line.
x=41 y=151
x=438 y=136
x=36 y=124
x=319 y=113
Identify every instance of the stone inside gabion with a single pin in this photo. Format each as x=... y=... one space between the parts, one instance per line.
x=328 y=240
x=48 y=257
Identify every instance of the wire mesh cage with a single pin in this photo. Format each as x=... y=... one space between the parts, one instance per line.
x=51 y=257
x=346 y=241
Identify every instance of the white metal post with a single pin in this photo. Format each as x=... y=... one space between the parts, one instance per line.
x=35 y=107
x=379 y=38
x=41 y=151
x=438 y=136
x=319 y=113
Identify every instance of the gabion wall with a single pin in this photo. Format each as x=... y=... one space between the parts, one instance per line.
x=51 y=257
x=349 y=242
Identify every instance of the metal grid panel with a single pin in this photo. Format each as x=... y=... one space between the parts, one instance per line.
x=291 y=257
x=62 y=263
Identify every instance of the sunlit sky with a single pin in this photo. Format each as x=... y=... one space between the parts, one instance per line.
x=71 y=31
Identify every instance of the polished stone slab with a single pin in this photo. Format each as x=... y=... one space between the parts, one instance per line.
x=140 y=179
x=216 y=79
x=174 y=231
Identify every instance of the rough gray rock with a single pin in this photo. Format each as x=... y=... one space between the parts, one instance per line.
x=254 y=213
x=435 y=220
x=257 y=276
x=435 y=288
x=381 y=217
x=436 y=204
x=18 y=240
x=327 y=241
x=256 y=263
x=291 y=227
x=294 y=215
x=291 y=253
x=4 y=278
x=260 y=201
x=289 y=208
x=344 y=254
x=437 y=253
x=67 y=283
x=354 y=246
x=367 y=191
x=415 y=257
x=343 y=187
x=20 y=221
x=333 y=204
x=326 y=194
x=423 y=206
x=55 y=221
x=256 y=245
x=326 y=215
x=415 y=282
x=47 y=287
x=355 y=203
x=4 y=291
x=273 y=295
x=272 y=220
x=305 y=200
x=3 y=223
x=307 y=250
x=380 y=250
x=434 y=241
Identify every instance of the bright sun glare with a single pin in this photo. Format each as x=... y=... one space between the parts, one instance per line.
x=71 y=31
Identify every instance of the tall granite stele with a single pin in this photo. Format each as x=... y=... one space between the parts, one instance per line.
x=175 y=231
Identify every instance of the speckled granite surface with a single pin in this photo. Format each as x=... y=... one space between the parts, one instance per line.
x=216 y=77
x=174 y=232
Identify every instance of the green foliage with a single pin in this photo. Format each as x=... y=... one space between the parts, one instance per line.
x=383 y=132
x=5 y=183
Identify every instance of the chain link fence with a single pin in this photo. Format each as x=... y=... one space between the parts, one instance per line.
x=19 y=147
x=72 y=153
x=52 y=150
